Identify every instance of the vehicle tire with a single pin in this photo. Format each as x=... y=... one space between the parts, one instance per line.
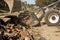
x=53 y=18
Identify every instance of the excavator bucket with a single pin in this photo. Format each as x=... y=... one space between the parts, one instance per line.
x=14 y=5
x=8 y=9
x=10 y=3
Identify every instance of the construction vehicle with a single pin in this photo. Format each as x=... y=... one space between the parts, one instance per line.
x=10 y=13
x=52 y=14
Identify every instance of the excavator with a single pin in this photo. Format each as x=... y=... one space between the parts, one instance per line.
x=11 y=13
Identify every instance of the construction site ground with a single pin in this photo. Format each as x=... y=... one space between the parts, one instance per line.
x=45 y=32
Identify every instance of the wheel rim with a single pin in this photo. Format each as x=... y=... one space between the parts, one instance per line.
x=54 y=18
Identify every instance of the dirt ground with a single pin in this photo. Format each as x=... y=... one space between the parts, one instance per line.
x=45 y=32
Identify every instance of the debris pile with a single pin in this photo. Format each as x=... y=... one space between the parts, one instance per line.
x=11 y=32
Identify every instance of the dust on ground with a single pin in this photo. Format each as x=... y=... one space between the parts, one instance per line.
x=45 y=32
